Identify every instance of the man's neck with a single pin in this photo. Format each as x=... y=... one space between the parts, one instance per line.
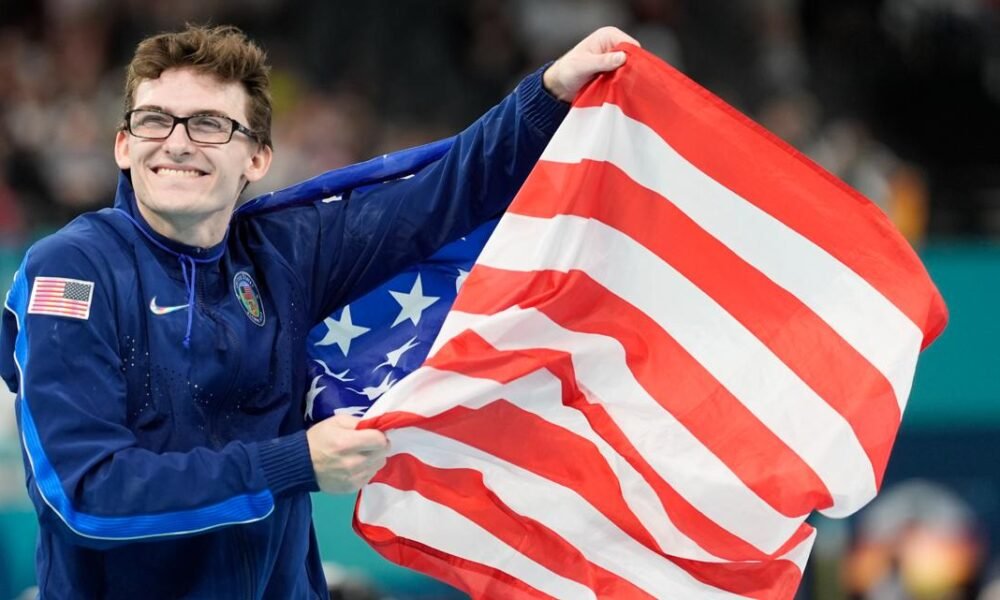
x=199 y=231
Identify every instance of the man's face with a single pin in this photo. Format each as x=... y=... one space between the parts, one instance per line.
x=181 y=181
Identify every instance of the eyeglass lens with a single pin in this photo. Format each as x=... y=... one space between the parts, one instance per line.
x=209 y=129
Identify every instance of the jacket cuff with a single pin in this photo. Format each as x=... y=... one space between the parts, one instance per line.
x=286 y=464
x=540 y=108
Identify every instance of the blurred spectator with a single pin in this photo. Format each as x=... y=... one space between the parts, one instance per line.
x=655 y=26
x=319 y=132
x=991 y=589
x=30 y=593
x=550 y=27
x=991 y=584
x=793 y=116
x=781 y=63
x=12 y=225
x=848 y=149
x=344 y=584
x=916 y=541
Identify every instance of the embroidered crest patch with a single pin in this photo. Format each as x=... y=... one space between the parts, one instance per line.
x=249 y=297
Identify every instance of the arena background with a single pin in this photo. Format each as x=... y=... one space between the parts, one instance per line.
x=901 y=98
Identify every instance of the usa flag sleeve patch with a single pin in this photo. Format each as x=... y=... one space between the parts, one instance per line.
x=59 y=297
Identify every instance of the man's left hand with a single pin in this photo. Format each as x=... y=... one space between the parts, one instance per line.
x=591 y=56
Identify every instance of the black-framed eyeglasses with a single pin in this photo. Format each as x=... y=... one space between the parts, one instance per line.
x=204 y=129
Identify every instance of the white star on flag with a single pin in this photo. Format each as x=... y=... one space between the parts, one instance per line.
x=413 y=303
x=314 y=390
x=373 y=393
x=342 y=331
x=462 y=275
x=392 y=357
x=338 y=376
x=351 y=411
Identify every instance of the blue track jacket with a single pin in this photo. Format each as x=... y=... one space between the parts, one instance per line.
x=163 y=433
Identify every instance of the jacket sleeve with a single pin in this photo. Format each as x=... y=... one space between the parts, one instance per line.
x=86 y=475
x=378 y=231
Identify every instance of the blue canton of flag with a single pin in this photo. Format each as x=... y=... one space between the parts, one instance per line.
x=366 y=347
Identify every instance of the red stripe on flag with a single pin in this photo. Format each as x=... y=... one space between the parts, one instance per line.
x=775 y=580
x=791 y=188
x=464 y=491
x=57 y=310
x=57 y=296
x=55 y=304
x=477 y=580
x=59 y=302
x=796 y=335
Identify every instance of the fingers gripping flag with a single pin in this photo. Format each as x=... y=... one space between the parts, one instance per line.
x=681 y=339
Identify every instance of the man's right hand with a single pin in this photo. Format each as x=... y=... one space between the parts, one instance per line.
x=344 y=457
x=566 y=77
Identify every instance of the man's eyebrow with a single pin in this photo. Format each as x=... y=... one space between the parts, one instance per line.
x=206 y=111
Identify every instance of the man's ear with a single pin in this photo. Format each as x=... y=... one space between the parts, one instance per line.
x=260 y=162
x=121 y=150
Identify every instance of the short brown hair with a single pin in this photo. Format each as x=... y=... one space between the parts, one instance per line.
x=224 y=52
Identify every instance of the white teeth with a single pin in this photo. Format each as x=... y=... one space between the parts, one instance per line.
x=177 y=172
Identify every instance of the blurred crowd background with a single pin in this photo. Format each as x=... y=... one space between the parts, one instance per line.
x=900 y=98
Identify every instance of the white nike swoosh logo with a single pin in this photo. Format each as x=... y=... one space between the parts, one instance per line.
x=164 y=310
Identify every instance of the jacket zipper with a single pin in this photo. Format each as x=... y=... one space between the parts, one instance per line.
x=239 y=537
x=223 y=399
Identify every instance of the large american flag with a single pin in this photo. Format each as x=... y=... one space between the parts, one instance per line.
x=681 y=340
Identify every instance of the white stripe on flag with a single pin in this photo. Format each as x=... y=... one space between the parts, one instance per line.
x=800 y=553
x=848 y=303
x=412 y=516
x=576 y=521
x=541 y=394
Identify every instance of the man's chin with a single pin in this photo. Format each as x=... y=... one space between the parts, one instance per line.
x=183 y=205
x=180 y=204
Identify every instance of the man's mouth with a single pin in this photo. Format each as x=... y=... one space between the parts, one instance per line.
x=176 y=172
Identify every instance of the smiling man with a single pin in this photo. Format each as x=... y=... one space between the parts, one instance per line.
x=157 y=348
x=188 y=196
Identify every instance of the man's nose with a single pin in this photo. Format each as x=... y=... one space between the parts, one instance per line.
x=178 y=142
